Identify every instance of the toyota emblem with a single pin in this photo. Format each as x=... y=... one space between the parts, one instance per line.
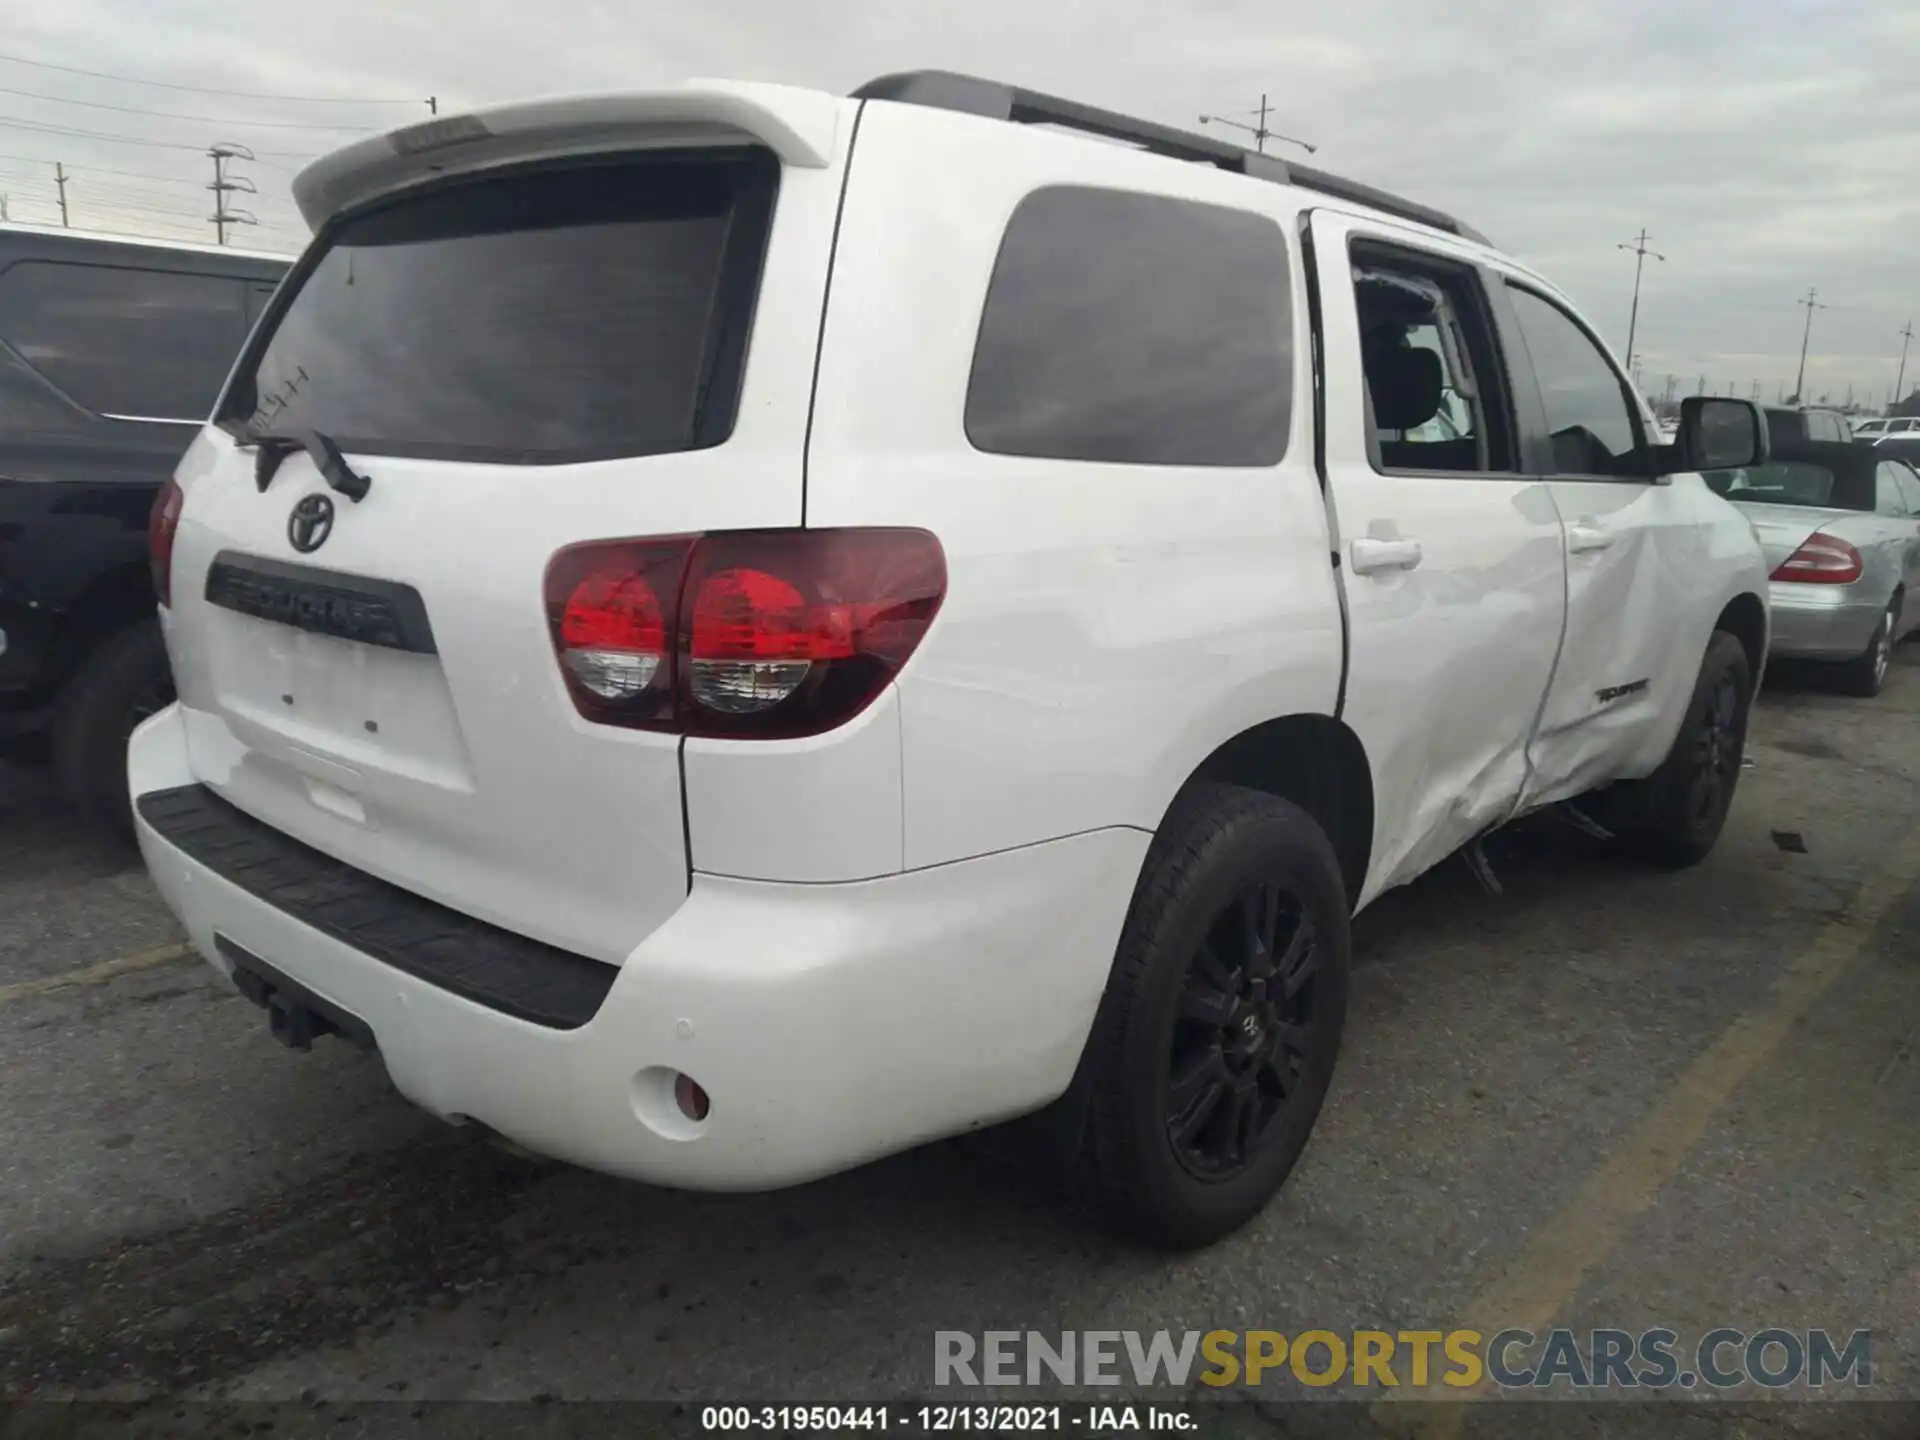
x=310 y=523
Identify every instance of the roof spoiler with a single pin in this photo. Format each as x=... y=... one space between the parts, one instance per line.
x=800 y=126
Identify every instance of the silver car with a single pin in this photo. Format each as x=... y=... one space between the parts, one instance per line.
x=1841 y=528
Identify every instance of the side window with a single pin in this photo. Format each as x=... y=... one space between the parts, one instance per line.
x=154 y=344
x=1136 y=330
x=1433 y=384
x=1909 y=483
x=1588 y=414
x=1887 y=496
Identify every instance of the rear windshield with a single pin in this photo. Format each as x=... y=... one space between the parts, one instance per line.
x=537 y=318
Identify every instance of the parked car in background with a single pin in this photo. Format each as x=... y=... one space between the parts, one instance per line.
x=1892 y=425
x=1788 y=426
x=112 y=352
x=1841 y=529
x=954 y=639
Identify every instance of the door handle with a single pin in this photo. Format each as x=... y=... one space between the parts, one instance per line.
x=1370 y=556
x=1582 y=537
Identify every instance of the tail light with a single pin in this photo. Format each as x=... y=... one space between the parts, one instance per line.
x=162 y=521
x=753 y=633
x=1821 y=560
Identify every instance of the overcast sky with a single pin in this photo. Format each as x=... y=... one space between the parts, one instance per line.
x=1768 y=147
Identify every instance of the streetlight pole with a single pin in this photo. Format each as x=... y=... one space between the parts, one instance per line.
x=1906 y=339
x=1800 y=382
x=1261 y=134
x=1640 y=253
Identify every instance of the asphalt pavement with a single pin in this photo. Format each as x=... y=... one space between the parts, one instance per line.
x=1605 y=1096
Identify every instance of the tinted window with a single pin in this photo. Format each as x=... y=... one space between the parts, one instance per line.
x=1431 y=380
x=555 y=316
x=149 y=343
x=1587 y=410
x=1134 y=329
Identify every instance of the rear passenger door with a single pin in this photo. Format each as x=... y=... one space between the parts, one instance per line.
x=1450 y=554
x=1633 y=549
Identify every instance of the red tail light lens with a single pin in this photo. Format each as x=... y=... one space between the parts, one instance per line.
x=773 y=632
x=1821 y=560
x=608 y=607
x=162 y=521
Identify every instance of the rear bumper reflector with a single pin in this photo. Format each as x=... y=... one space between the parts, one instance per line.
x=524 y=978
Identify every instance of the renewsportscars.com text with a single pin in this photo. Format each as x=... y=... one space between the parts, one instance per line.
x=1458 y=1360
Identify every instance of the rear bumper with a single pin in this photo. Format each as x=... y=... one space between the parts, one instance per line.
x=1821 y=622
x=829 y=1023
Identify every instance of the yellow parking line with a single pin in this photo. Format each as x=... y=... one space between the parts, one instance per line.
x=94 y=974
x=1558 y=1255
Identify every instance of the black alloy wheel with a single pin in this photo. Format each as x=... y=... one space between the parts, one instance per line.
x=1240 y=1039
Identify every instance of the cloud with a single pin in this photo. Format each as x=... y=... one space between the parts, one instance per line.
x=1767 y=149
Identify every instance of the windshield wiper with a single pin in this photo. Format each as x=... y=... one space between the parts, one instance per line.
x=325 y=454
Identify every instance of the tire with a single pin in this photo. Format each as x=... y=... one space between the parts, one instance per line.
x=1866 y=674
x=1223 y=854
x=1674 y=816
x=121 y=683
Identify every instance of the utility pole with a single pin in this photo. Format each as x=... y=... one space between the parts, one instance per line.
x=1261 y=134
x=60 y=179
x=1799 y=385
x=1701 y=388
x=433 y=104
x=1640 y=253
x=1906 y=339
x=224 y=185
x=1755 y=396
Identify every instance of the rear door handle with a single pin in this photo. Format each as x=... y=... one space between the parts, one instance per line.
x=1582 y=537
x=1370 y=556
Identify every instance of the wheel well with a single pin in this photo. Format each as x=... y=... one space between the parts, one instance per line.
x=117 y=598
x=1319 y=764
x=1746 y=620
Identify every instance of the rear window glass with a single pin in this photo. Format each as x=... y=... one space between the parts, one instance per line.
x=146 y=344
x=538 y=318
x=1797 y=482
x=1135 y=329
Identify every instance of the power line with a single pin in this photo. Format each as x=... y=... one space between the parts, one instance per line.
x=203 y=89
x=97 y=170
x=9 y=122
x=196 y=119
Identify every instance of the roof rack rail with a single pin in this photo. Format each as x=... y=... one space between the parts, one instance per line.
x=944 y=90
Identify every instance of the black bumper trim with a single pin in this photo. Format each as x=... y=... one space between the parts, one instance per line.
x=524 y=978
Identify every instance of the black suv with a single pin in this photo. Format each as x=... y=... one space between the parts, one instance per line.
x=112 y=353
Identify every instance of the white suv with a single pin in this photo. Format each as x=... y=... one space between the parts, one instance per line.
x=736 y=630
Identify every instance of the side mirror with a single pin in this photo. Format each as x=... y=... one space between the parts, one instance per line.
x=1720 y=434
